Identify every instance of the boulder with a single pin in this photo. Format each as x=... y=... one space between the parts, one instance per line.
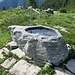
x=51 y=11
x=42 y=44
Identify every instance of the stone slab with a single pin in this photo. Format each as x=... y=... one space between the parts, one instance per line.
x=24 y=68
x=1 y=55
x=7 y=63
x=60 y=71
x=12 y=45
x=71 y=65
x=18 y=52
x=5 y=50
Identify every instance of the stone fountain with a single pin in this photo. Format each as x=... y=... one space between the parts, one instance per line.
x=42 y=44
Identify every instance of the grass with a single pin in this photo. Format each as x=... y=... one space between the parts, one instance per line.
x=10 y=54
x=2 y=60
x=46 y=70
x=3 y=71
x=22 y=17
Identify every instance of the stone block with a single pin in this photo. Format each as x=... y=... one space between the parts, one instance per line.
x=5 y=50
x=12 y=45
x=18 y=52
x=7 y=63
x=1 y=55
x=24 y=68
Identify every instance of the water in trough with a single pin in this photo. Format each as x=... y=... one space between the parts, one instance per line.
x=42 y=31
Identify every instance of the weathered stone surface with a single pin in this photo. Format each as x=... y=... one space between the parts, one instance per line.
x=71 y=65
x=12 y=45
x=7 y=63
x=60 y=71
x=61 y=28
x=24 y=68
x=18 y=52
x=1 y=55
x=5 y=50
x=41 y=43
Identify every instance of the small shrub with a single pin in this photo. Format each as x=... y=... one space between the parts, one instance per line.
x=2 y=60
x=3 y=8
x=63 y=10
x=3 y=71
x=46 y=69
x=72 y=53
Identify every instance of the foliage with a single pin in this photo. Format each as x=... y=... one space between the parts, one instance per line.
x=54 y=4
x=63 y=10
x=3 y=8
x=31 y=3
x=3 y=71
x=57 y=4
x=72 y=53
x=46 y=69
x=2 y=60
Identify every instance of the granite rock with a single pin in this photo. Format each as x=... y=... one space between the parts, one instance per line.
x=18 y=52
x=12 y=45
x=7 y=63
x=5 y=50
x=41 y=43
x=24 y=68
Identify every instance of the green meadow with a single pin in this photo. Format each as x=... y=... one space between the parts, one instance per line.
x=22 y=17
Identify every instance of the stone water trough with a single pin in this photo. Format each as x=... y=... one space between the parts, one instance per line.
x=41 y=43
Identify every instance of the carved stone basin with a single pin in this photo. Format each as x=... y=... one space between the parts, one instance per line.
x=41 y=43
x=41 y=31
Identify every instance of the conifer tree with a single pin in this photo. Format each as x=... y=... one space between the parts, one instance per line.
x=3 y=8
x=32 y=3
